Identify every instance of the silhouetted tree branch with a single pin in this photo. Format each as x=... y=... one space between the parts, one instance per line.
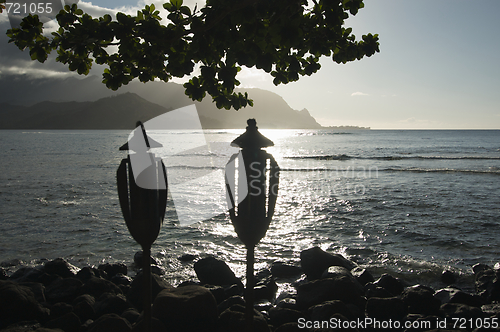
x=285 y=38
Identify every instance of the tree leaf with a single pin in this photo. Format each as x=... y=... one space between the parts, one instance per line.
x=176 y=3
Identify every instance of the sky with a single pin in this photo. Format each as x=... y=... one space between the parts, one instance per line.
x=438 y=66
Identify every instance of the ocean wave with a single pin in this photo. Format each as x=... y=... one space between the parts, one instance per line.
x=323 y=133
x=404 y=157
x=323 y=157
x=207 y=167
x=441 y=170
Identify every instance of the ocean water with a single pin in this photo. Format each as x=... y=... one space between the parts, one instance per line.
x=411 y=203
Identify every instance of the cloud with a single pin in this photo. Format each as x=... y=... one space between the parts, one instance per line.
x=16 y=62
x=96 y=11
x=358 y=93
x=416 y=123
x=253 y=74
x=409 y=120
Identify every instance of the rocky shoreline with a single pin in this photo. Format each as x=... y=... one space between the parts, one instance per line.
x=330 y=293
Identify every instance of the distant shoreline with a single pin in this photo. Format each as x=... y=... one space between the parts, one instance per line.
x=347 y=128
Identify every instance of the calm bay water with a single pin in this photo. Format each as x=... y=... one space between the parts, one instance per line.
x=406 y=202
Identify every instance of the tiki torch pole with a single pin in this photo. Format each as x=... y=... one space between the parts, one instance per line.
x=249 y=296
x=257 y=191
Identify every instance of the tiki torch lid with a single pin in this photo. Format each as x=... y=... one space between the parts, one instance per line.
x=252 y=138
x=140 y=138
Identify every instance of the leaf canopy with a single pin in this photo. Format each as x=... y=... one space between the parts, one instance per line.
x=285 y=38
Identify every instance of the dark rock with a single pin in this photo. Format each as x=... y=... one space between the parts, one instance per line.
x=17 y=303
x=60 y=309
x=444 y=295
x=63 y=290
x=480 y=267
x=188 y=308
x=86 y=324
x=131 y=315
x=457 y=310
x=362 y=275
x=288 y=302
x=27 y=274
x=11 y=263
x=86 y=273
x=235 y=289
x=448 y=277
x=135 y=294
x=158 y=270
x=282 y=270
x=113 y=269
x=289 y=327
x=262 y=275
x=3 y=274
x=229 y=302
x=38 y=290
x=325 y=310
x=386 y=308
x=491 y=309
x=372 y=290
x=335 y=271
x=61 y=268
x=187 y=257
x=265 y=289
x=26 y=326
x=98 y=286
x=279 y=316
x=468 y=299
x=192 y=282
x=111 y=304
x=211 y=271
x=124 y=288
x=265 y=292
x=315 y=261
x=83 y=307
x=233 y=319
x=420 y=300
x=391 y=284
x=138 y=259
x=340 y=288
x=47 y=279
x=110 y=323
x=263 y=307
x=85 y=298
x=487 y=282
x=120 y=279
x=68 y=322
x=218 y=292
x=156 y=326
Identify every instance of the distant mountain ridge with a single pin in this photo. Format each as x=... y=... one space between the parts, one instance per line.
x=87 y=104
x=118 y=112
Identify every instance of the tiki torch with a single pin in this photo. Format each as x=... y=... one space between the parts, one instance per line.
x=142 y=191
x=251 y=205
